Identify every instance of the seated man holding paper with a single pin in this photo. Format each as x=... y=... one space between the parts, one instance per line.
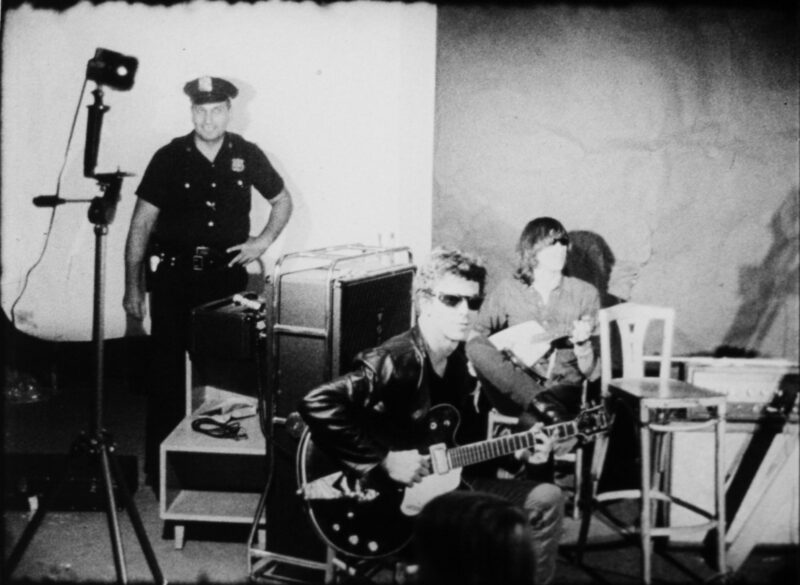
x=533 y=345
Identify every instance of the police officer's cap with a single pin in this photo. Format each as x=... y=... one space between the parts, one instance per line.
x=206 y=90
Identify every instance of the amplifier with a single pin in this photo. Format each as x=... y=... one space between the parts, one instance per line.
x=328 y=305
x=761 y=460
x=755 y=388
x=228 y=328
x=226 y=344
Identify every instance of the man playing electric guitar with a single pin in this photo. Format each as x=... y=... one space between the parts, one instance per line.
x=369 y=419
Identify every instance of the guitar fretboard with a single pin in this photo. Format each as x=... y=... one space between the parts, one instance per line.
x=505 y=445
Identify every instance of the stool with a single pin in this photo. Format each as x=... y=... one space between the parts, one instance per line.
x=660 y=405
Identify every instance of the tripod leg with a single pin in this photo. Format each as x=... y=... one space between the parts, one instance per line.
x=33 y=524
x=136 y=521
x=113 y=520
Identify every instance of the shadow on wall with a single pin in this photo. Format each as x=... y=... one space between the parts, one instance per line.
x=591 y=259
x=765 y=289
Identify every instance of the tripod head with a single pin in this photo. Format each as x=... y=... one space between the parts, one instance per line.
x=116 y=71
x=103 y=209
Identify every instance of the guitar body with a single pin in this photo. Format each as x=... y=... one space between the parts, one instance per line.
x=373 y=517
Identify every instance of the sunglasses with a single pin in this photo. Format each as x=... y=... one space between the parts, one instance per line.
x=563 y=240
x=452 y=301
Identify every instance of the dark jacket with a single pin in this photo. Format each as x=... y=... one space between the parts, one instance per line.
x=359 y=417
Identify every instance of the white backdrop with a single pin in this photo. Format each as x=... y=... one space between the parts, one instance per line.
x=340 y=97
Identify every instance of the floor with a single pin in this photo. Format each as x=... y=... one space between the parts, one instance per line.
x=75 y=546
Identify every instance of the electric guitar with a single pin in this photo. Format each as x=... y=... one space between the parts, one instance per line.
x=372 y=517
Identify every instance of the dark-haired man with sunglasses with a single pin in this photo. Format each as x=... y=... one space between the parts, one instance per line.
x=369 y=419
x=564 y=308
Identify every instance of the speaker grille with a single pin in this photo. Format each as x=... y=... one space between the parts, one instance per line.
x=371 y=311
x=365 y=311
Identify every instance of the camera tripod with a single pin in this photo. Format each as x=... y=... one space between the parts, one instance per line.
x=97 y=443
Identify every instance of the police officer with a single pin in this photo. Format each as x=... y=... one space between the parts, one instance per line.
x=192 y=219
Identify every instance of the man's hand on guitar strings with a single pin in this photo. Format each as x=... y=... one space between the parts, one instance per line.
x=543 y=446
x=406 y=467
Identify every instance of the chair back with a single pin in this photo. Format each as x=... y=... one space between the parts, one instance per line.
x=632 y=321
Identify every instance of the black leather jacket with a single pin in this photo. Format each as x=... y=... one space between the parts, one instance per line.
x=360 y=416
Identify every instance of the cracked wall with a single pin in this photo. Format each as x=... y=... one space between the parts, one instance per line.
x=667 y=138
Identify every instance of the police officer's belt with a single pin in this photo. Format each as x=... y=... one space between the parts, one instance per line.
x=199 y=259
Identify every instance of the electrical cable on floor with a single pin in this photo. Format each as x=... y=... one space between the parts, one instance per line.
x=219 y=430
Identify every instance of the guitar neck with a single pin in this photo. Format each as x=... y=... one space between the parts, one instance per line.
x=505 y=445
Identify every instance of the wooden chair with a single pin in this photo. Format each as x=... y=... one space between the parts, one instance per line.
x=660 y=405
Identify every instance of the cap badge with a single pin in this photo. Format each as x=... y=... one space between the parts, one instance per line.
x=237 y=165
x=204 y=84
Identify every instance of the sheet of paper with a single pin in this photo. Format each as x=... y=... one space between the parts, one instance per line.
x=528 y=341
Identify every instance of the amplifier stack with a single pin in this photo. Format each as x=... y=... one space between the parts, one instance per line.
x=761 y=452
x=327 y=306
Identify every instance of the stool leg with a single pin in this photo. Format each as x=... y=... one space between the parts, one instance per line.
x=719 y=465
x=594 y=465
x=645 y=514
x=580 y=472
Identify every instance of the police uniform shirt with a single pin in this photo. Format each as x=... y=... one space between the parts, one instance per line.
x=205 y=203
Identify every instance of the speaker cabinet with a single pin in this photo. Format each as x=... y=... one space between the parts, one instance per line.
x=761 y=454
x=289 y=528
x=328 y=305
x=324 y=315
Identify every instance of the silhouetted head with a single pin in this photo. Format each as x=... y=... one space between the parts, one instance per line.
x=473 y=538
